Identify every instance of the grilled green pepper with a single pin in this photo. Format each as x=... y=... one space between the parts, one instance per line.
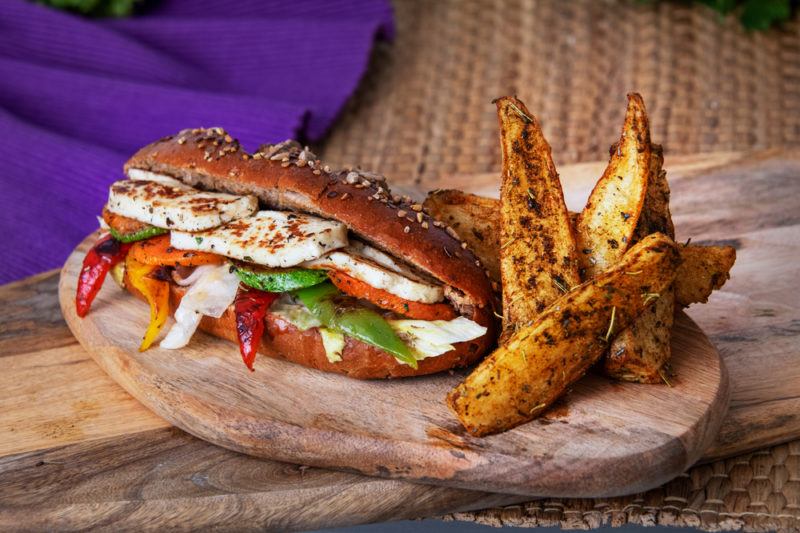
x=142 y=234
x=279 y=280
x=344 y=314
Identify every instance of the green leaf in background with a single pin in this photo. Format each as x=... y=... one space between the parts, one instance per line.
x=753 y=14
x=761 y=14
x=95 y=8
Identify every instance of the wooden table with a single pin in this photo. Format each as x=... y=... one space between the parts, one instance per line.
x=77 y=451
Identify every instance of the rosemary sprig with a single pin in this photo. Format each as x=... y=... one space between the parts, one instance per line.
x=650 y=296
x=512 y=239
x=558 y=283
x=611 y=324
x=521 y=113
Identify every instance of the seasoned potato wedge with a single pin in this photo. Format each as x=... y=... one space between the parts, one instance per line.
x=475 y=219
x=528 y=373
x=655 y=216
x=538 y=258
x=640 y=352
x=704 y=269
x=605 y=227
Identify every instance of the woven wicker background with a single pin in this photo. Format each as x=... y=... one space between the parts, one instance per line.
x=424 y=112
x=424 y=108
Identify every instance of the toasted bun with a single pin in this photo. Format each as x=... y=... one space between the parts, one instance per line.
x=282 y=340
x=285 y=176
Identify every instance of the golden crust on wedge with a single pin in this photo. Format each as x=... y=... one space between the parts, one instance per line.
x=537 y=364
x=476 y=219
x=605 y=227
x=538 y=258
x=640 y=352
x=704 y=269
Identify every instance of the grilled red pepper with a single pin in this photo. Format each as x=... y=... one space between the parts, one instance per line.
x=251 y=307
x=106 y=253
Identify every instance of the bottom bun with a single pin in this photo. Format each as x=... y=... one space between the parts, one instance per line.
x=284 y=341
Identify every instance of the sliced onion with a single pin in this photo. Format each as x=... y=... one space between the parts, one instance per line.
x=191 y=278
x=210 y=295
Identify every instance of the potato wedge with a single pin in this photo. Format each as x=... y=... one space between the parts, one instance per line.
x=605 y=227
x=538 y=256
x=475 y=219
x=655 y=216
x=704 y=269
x=640 y=352
x=523 y=377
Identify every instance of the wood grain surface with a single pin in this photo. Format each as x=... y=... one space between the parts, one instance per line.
x=607 y=438
x=67 y=475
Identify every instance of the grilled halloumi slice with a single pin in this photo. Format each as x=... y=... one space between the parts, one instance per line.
x=379 y=270
x=274 y=239
x=165 y=202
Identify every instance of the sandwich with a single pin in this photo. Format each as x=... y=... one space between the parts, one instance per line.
x=288 y=258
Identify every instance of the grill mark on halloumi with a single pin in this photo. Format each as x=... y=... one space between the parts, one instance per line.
x=274 y=239
x=177 y=206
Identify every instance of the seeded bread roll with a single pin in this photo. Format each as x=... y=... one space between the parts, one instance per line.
x=285 y=176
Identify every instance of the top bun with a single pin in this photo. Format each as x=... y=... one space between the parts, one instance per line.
x=286 y=176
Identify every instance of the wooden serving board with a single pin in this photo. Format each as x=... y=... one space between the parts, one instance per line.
x=605 y=438
x=76 y=451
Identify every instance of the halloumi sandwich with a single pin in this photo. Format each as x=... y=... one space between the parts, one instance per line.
x=278 y=252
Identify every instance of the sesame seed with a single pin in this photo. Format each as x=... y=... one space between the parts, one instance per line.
x=401 y=213
x=316 y=172
x=284 y=165
x=437 y=224
x=416 y=207
x=406 y=229
x=228 y=139
x=420 y=217
x=345 y=196
x=327 y=169
x=301 y=162
x=464 y=246
x=450 y=231
x=425 y=225
x=182 y=140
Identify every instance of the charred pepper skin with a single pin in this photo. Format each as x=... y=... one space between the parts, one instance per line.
x=340 y=313
x=103 y=256
x=251 y=307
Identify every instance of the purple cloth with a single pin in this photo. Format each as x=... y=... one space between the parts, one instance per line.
x=79 y=96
